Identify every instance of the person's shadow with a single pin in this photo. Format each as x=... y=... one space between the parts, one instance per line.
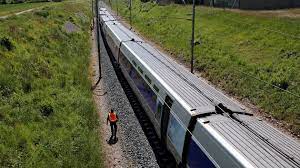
x=112 y=140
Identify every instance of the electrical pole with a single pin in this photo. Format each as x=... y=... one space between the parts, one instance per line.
x=117 y=8
x=93 y=11
x=98 y=37
x=130 y=19
x=193 y=38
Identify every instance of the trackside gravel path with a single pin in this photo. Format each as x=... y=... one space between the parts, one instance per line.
x=132 y=149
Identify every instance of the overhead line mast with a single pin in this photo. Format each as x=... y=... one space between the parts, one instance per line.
x=98 y=38
x=193 y=38
x=130 y=19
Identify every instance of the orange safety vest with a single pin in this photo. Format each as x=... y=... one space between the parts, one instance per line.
x=113 y=117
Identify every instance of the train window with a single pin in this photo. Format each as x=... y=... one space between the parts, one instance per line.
x=166 y=110
x=176 y=133
x=155 y=88
x=148 y=79
x=196 y=157
x=140 y=69
x=143 y=87
x=126 y=64
x=158 y=111
x=134 y=63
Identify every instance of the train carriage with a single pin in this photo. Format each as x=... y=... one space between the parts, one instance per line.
x=199 y=125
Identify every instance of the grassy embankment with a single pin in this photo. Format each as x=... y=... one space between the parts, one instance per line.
x=232 y=44
x=8 y=9
x=47 y=115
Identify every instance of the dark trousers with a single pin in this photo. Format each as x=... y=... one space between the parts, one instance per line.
x=113 y=128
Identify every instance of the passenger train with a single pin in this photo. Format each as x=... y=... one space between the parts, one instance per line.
x=200 y=126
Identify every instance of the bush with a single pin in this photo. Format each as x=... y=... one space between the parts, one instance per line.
x=42 y=13
x=6 y=43
x=46 y=110
x=39 y=0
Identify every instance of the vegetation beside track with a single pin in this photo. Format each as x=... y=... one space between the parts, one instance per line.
x=235 y=48
x=47 y=115
x=7 y=9
x=25 y=1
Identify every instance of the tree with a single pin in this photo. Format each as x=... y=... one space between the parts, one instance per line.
x=2 y=1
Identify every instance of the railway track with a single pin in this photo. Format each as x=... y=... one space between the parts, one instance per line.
x=215 y=126
x=164 y=158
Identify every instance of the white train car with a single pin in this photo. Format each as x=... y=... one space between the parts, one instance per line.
x=199 y=125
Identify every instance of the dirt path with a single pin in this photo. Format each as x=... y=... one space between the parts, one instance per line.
x=112 y=154
x=281 y=13
x=19 y=13
x=132 y=148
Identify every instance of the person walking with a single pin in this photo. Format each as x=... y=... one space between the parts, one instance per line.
x=113 y=119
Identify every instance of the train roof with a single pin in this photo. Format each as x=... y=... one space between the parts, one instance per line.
x=197 y=94
x=255 y=140
x=255 y=148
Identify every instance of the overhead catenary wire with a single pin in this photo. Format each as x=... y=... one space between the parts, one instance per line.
x=160 y=17
x=169 y=17
x=175 y=18
x=188 y=19
x=266 y=141
x=244 y=125
x=245 y=73
x=214 y=11
x=278 y=150
x=177 y=73
x=256 y=25
x=171 y=111
x=175 y=114
x=264 y=28
x=279 y=88
x=286 y=91
x=285 y=155
x=217 y=105
x=282 y=154
x=266 y=82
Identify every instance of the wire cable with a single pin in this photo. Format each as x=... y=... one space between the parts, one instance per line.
x=266 y=82
x=282 y=154
x=176 y=72
x=256 y=26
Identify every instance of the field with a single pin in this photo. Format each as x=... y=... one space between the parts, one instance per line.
x=47 y=114
x=251 y=55
x=14 y=8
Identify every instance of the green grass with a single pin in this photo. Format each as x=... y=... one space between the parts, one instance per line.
x=8 y=9
x=232 y=44
x=47 y=114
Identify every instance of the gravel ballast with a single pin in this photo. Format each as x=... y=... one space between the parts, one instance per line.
x=132 y=148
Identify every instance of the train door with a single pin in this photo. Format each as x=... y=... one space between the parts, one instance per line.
x=165 y=117
x=158 y=110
